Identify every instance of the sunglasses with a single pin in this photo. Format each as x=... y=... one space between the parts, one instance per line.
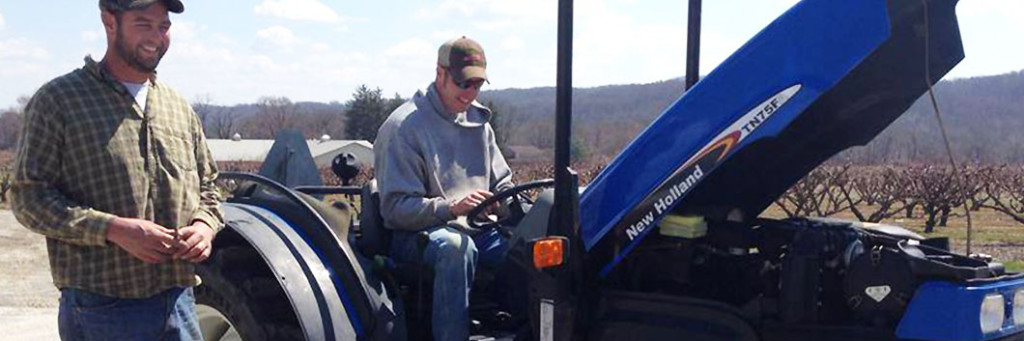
x=466 y=84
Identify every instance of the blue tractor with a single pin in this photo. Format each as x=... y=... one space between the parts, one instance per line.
x=666 y=242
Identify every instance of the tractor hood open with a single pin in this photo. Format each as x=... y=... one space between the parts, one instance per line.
x=824 y=76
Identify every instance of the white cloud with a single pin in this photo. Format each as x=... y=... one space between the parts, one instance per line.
x=20 y=48
x=415 y=47
x=448 y=8
x=439 y=37
x=320 y=47
x=608 y=39
x=91 y=36
x=184 y=30
x=201 y=53
x=525 y=9
x=987 y=28
x=195 y=43
x=787 y=3
x=27 y=65
x=305 y=10
x=278 y=36
x=493 y=15
x=512 y=43
x=280 y=62
x=1 y=21
x=408 y=63
x=989 y=8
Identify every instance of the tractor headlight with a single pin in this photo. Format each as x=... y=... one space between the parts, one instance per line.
x=1018 y=308
x=993 y=312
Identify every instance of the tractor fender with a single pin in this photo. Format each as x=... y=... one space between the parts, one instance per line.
x=297 y=268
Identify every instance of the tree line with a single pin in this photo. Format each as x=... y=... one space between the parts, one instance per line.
x=982 y=115
x=357 y=119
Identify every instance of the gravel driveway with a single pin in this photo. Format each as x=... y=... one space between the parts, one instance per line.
x=28 y=299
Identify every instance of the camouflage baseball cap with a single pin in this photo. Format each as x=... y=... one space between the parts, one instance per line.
x=463 y=58
x=127 y=5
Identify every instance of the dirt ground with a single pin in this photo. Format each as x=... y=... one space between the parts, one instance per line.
x=28 y=299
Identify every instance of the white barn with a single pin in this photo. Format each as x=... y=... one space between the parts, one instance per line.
x=323 y=150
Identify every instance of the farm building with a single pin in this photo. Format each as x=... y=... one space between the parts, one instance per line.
x=323 y=150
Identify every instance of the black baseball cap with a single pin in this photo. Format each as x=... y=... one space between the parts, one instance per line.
x=127 y=5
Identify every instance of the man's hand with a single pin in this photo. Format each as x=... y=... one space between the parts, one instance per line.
x=198 y=239
x=462 y=206
x=143 y=239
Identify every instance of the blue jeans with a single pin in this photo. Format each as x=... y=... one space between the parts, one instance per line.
x=169 y=315
x=454 y=256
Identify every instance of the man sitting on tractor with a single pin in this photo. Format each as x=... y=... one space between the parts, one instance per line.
x=436 y=159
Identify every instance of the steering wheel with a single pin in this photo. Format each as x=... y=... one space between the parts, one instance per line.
x=475 y=226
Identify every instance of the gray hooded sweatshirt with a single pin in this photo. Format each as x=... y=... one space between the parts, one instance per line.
x=425 y=159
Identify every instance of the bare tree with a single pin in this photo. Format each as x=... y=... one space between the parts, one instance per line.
x=203 y=106
x=6 y=174
x=321 y=122
x=224 y=124
x=540 y=134
x=937 y=190
x=974 y=187
x=1005 y=188
x=880 y=190
x=504 y=125
x=11 y=120
x=273 y=115
x=6 y=181
x=10 y=129
x=820 y=193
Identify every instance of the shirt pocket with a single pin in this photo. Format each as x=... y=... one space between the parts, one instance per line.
x=175 y=149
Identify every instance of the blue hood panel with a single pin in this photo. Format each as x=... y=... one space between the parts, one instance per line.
x=824 y=76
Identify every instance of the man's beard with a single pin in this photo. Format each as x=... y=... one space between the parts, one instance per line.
x=132 y=58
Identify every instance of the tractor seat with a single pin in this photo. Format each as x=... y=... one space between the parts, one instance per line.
x=375 y=239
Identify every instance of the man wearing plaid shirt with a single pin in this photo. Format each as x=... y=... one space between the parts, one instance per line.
x=114 y=170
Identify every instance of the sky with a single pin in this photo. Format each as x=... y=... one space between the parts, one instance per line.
x=233 y=52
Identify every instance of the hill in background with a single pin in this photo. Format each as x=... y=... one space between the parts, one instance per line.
x=983 y=116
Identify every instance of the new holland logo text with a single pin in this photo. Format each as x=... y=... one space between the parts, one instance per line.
x=676 y=192
x=665 y=202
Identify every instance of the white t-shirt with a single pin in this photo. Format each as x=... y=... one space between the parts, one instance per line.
x=139 y=91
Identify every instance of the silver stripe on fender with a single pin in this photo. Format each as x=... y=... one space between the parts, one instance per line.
x=547 y=320
x=750 y=121
x=760 y=113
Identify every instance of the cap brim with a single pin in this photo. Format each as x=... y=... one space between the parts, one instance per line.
x=470 y=72
x=174 y=6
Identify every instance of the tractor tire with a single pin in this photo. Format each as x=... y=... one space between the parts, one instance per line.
x=239 y=299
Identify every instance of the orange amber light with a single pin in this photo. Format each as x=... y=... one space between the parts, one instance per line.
x=548 y=253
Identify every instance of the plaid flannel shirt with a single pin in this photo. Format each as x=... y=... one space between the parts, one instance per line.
x=88 y=153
